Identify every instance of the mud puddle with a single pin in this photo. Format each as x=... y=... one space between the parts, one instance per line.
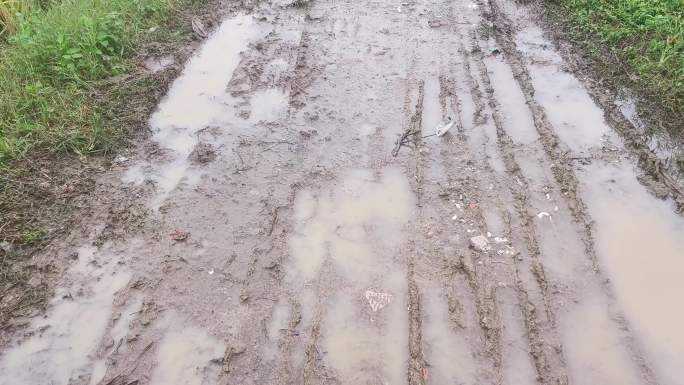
x=356 y=228
x=118 y=337
x=357 y=225
x=518 y=118
x=577 y=120
x=196 y=100
x=447 y=349
x=62 y=346
x=297 y=249
x=518 y=367
x=185 y=356
x=595 y=345
x=364 y=343
x=640 y=244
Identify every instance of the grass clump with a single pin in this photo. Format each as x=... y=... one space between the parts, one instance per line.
x=646 y=36
x=9 y=11
x=50 y=64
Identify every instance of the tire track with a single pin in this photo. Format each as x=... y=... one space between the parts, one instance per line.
x=413 y=134
x=477 y=276
x=562 y=169
x=549 y=363
x=417 y=367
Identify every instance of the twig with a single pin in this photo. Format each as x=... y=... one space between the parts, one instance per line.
x=274 y=220
x=242 y=161
x=402 y=141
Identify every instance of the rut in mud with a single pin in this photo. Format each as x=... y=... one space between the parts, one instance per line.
x=306 y=226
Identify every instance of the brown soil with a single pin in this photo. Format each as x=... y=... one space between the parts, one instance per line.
x=292 y=217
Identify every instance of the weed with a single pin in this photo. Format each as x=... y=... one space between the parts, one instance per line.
x=300 y=3
x=646 y=35
x=49 y=67
x=60 y=99
x=10 y=10
x=32 y=235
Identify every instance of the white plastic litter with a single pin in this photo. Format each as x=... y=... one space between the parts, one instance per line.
x=378 y=300
x=120 y=159
x=441 y=130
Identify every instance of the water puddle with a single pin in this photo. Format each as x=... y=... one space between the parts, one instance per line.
x=448 y=352
x=517 y=362
x=661 y=143
x=184 y=358
x=267 y=105
x=276 y=327
x=546 y=65
x=198 y=99
x=365 y=346
x=578 y=122
x=640 y=244
x=531 y=41
x=491 y=148
x=134 y=175
x=62 y=346
x=117 y=336
x=432 y=111
x=594 y=349
x=518 y=121
x=358 y=225
x=561 y=247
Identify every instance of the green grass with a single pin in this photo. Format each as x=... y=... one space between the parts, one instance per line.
x=9 y=9
x=647 y=36
x=50 y=65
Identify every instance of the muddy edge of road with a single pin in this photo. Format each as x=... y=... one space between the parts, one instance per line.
x=660 y=155
x=60 y=195
x=281 y=216
x=612 y=86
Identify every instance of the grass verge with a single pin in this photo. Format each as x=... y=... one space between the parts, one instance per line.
x=638 y=43
x=50 y=63
x=71 y=86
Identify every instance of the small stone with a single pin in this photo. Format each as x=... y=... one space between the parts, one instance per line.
x=480 y=243
x=202 y=153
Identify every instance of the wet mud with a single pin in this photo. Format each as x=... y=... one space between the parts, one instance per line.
x=309 y=221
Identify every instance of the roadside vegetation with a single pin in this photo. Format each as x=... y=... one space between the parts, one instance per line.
x=72 y=87
x=52 y=54
x=643 y=39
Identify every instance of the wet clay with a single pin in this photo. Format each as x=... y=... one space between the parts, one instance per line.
x=413 y=192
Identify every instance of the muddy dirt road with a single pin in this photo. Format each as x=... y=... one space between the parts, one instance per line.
x=268 y=234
